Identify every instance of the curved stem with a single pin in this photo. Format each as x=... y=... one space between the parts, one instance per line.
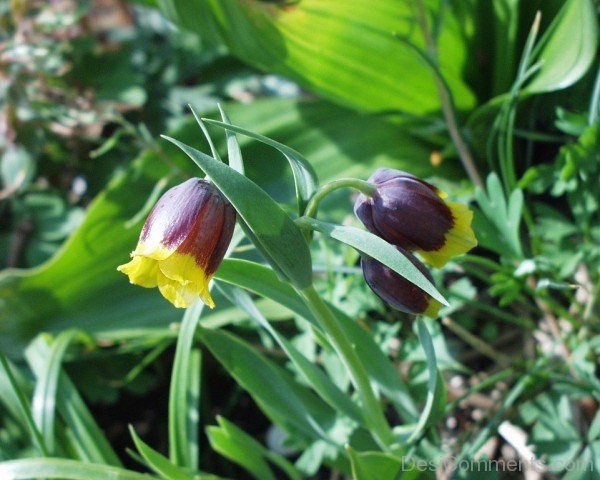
x=360 y=185
x=371 y=407
x=447 y=103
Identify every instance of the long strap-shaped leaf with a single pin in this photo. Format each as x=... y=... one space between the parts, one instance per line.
x=377 y=248
x=65 y=469
x=305 y=177
x=275 y=231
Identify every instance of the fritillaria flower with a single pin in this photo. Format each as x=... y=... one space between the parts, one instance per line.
x=183 y=242
x=398 y=292
x=412 y=214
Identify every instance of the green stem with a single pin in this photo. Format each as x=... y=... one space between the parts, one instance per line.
x=372 y=408
x=361 y=185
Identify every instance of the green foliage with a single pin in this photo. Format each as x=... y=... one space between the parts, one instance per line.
x=300 y=371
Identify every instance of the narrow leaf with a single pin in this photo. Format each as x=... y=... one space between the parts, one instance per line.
x=377 y=248
x=233 y=147
x=305 y=177
x=316 y=378
x=427 y=345
x=64 y=469
x=157 y=462
x=184 y=394
x=44 y=397
x=274 y=229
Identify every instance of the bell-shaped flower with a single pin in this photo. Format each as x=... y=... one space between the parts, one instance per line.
x=183 y=242
x=412 y=214
x=397 y=291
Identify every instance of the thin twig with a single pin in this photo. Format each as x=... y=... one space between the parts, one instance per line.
x=448 y=105
x=478 y=344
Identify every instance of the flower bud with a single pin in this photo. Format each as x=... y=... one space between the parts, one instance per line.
x=397 y=291
x=412 y=214
x=183 y=242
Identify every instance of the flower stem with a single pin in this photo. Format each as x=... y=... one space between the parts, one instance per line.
x=360 y=185
x=371 y=407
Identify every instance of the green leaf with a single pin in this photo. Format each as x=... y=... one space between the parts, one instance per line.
x=305 y=177
x=184 y=394
x=89 y=440
x=316 y=378
x=315 y=43
x=275 y=392
x=502 y=218
x=240 y=448
x=568 y=47
x=232 y=439
x=71 y=290
x=374 y=465
x=157 y=462
x=433 y=391
x=43 y=406
x=233 y=147
x=273 y=228
x=261 y=280
x=377 y=248
x=23 y=406
x=64 y=469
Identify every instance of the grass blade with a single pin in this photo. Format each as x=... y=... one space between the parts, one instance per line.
x=184 y=394
x=24 y=406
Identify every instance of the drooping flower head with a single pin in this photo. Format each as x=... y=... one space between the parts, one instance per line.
x=183 y=242
x=412 y=214
x=398 y=292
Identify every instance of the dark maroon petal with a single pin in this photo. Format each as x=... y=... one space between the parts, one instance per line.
x=211 y=231
x=193 y=218
x=174 y=215
x=383 y=175
x=394 y=289
x=405 y=211
x=363 y=209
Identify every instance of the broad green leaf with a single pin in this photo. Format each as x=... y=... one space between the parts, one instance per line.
x=64 y=469
x=568 y=48
x=193 y=16
x=43 y=405
x=316 y=378
x=379 y=249
x=273 y=228
x=305 y=177
x=184 y=394
x=506 y=29
x=157 y=462
x=348 y=55
x=90 y=442
x=80 y=287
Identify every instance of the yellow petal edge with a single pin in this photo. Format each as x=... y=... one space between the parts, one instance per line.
x=178 y=277
x=458 y=240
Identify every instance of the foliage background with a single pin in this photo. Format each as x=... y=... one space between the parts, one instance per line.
x=88 y=87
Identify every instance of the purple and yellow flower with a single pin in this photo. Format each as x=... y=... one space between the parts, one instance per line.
x=397 y=291
x=183 y=242
x=413 y=215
